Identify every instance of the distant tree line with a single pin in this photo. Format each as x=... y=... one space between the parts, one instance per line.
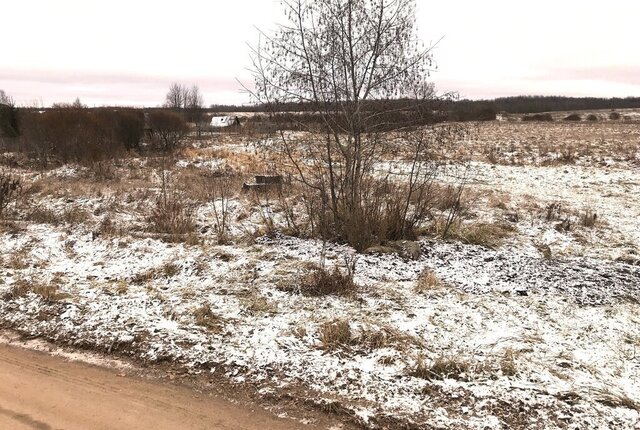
x=537 y=104
x=467 y=110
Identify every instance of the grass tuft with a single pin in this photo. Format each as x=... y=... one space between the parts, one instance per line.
x=205 y=317
x=335 y=334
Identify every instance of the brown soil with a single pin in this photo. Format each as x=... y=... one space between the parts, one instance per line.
x=41 y=392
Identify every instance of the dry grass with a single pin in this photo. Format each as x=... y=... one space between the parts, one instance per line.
x=554 y=143
x=322 y=282
x=205 y=318
x=588 y=218
x=299 y=331
x=18 y=260
x=508 y=362
x=427 y=281
x=121 y=288
x=387 y=337
x=242 y=162
x=483 y=234
x=42 y=215
x=19 y=289
x=74 y=216
x=167 y=270
x=616 y=400
x=335 y=334
x=49 y=292
x=258 y=304
x=441 y=368
x=171 y=216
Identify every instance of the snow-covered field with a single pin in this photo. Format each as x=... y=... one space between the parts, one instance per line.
x=541 y=332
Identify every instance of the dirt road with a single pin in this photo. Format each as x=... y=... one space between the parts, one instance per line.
x=41 y=392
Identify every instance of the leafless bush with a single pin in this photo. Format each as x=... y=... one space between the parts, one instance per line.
x=71 y=134
x=219 y=190
x=171 y=215
x=168 y=130
x=10 y=188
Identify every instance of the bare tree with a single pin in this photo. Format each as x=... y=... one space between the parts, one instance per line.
x=8 y=118
x=193 y=104
x=361 y=74
x=5 y=99
x=176 y=96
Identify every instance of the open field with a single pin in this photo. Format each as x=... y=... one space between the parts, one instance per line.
x=527 y=317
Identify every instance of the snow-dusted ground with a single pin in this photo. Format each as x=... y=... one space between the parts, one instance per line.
x=571 y=362
x=534 y=342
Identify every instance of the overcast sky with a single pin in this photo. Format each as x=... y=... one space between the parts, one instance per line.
x=127 y=52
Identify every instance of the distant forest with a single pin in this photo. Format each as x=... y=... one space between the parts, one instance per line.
x=474 y=110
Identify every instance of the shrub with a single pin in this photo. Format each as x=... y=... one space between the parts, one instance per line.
x=168 y=129
x=592 y=117
x=614 y=116
x=70 y=134
x=171 y=216
x=546 y=117
x=9 y=189
x=129 y=128
x=573 y=117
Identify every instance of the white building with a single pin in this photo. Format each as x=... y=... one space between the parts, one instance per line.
x=224 y=121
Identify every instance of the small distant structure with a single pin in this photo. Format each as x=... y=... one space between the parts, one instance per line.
x=264 y=183
x=224 y=121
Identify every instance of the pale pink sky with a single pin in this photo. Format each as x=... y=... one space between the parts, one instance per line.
x=127 y=52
